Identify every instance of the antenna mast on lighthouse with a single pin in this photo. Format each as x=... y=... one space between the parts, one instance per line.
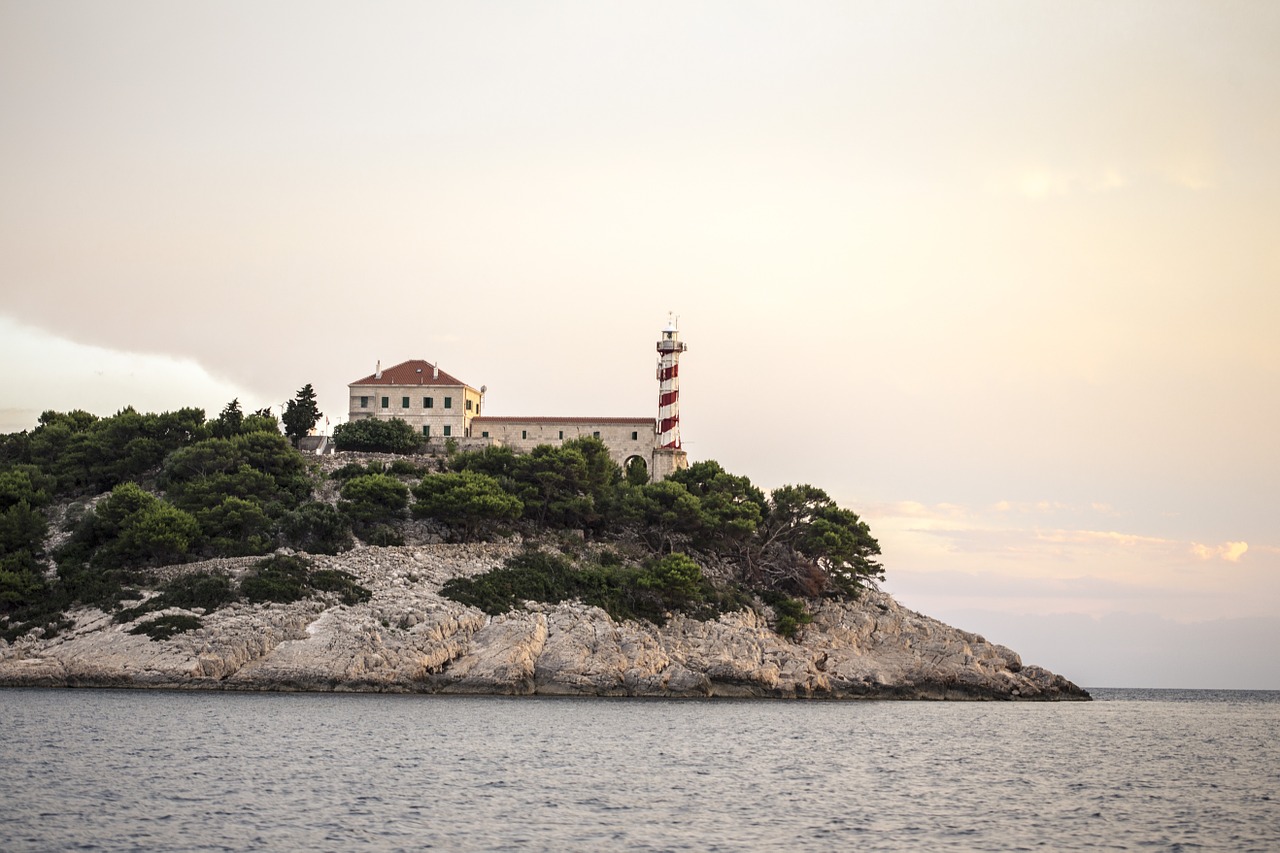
x=669 y=349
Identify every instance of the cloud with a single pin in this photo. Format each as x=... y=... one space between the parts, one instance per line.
x=1110 y=180
x=1028 y=507
x=1229 y=551
x=62 y=374
x=1042 y=183
x=1046 y=557
x=1039 y=183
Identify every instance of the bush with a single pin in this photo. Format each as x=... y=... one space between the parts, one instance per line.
x=259 y=465
x=404 y=468
x=317 y=528
x=382 y=536
x=622 y=592
x=205 y=590
x=791 y=614
x=130 y=529
x=164 y=627
x=84 y=453
x=22 y=528
x=236 y=528
x=348 y=471
x=374 y=499
x=281 y=579
x=468 y=500
x=344 y=584
x=676 y=578
x=284 y=579
x=199 y=590
x=158 y=535
x=377 y=436
x=21 y=580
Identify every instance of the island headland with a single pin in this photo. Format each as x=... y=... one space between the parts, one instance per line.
x=430 y=546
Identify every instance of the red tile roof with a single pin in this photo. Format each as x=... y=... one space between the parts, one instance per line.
x=503 y=419
x=415 y=371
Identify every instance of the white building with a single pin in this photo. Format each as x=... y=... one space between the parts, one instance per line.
x=419 y=393
x=441 y=407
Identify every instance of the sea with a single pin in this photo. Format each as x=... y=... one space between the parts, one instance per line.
x=152 y=770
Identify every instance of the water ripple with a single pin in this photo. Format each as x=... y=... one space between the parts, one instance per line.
x=121 y=770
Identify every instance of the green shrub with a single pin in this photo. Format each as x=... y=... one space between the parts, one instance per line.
x=344 y=584
x=791 y=613
x=22 y=528
x=200 y=590
x=25 y=484
x=128 y=530
x=348 y=471
x=253 y=465
x=622 y=592
x=236 y=528
x=204 y=590
x=382 y=535
x=468 y=500
x=285 y=579
x=21 y=580
x=676 y=578
x=377 y=436
x=404 y=468
x=374 y=499
x=280 y=578
x=164 y=627
x=317 y=528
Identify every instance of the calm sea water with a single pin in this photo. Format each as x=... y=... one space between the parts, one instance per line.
x=147 y=770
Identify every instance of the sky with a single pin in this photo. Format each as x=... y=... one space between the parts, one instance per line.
x=1002 y=277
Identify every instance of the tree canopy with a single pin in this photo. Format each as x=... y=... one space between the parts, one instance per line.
x=301 y=413
x=179 y=487
x=372 y=435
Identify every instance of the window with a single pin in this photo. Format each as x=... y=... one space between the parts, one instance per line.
x=562 y=434
x=634 y=436
x=468 y=405
x=364 y=402
x=386 y=402
x=524 y=433
x=484 y=434
x=428 y=402
x=426 y=430
x=595 y=434
x=404 y=402
x=448 y=402
x=447 y=429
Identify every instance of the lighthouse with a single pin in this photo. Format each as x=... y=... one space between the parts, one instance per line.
x=669 y=348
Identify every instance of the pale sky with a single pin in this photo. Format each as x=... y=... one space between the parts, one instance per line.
x=1004 y=278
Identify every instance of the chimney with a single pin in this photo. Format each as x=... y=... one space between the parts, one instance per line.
x=377 y=373
x=435 y=371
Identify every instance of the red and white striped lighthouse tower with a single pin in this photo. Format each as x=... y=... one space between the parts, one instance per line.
x=669 y=349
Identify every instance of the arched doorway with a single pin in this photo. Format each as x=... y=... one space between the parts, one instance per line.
x=636 y=470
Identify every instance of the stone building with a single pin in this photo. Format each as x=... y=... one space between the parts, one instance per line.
x=419 y=393
x=442 y=407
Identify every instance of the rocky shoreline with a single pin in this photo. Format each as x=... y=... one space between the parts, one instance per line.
x=409 y=639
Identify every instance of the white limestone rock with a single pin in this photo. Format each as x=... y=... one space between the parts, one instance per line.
x=409 y=638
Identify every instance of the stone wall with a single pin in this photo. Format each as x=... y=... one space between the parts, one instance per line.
x=625 y=437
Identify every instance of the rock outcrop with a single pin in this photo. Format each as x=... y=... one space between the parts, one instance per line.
x=408 y=638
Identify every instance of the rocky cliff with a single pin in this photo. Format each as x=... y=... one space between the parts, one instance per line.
x=408 y=638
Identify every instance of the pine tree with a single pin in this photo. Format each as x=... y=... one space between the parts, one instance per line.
x=301 y=414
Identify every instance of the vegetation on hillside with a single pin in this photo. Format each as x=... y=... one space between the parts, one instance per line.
x=377 y=436
x=143 y=491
